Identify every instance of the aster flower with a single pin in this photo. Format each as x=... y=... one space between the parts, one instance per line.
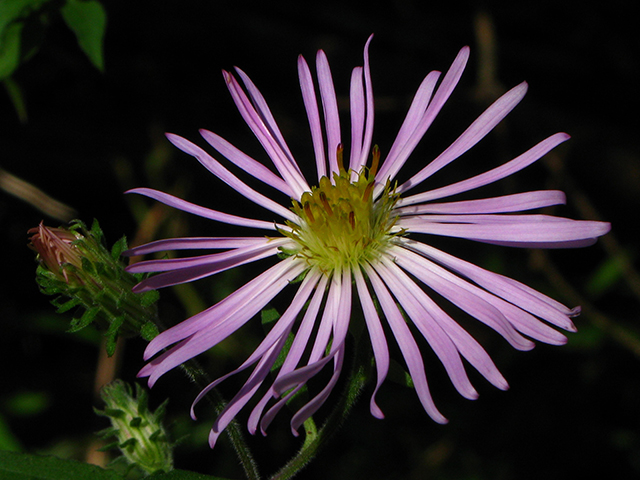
x=355 y=239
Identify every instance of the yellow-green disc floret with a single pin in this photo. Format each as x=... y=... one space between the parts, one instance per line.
x=341 y=225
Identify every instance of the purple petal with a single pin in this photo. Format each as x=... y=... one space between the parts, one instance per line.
x=378 y=339
x=357 y=109
x=266 y=285
x=182 y=270
x=403 y=288
x=472 y=299
x=189 y=207
x=278 y=156
x=264 y=112
x=226 y=176
x=407 y=344
x=245 y=162
x=515 y=292
x=465 y=343
x=472 y=135
x=368 y=87
x=311 y=106
x=392 y=163
x=522 y=230
x=194 y=243
x=450 y=288
x=330 y=108
x=505 y=204
x=292 y=359
x=498 y=173
x=440 y=97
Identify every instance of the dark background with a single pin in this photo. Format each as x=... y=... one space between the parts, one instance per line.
x=570 y=412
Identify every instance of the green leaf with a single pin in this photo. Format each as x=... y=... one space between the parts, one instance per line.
x=12 y=10
x=88 y=20
x=10 y=50
x=181 y=475
x=269 y=316
x=23 y=466
x=8 y=441
x=608 y=274
x=17 y=98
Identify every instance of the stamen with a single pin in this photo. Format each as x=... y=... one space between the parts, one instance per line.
x=375 y=161
x=340 y=155
x=325 y=203
x=308 y=213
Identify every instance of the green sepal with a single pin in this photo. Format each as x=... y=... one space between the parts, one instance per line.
x=110 y=446
x=113 y=412
x=88 y=316
x=66 y=306
x=149 y=331
x=119 y=247
x=149 y=298
x=129 y=443
x=135 y=422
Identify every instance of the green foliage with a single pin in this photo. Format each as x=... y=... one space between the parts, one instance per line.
x=608 y=274
x=23 y=24
x=88 y=20
x=23 y=466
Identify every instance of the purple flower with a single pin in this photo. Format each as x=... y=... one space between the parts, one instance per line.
x=357 y=238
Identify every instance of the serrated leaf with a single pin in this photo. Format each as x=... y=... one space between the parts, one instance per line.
x=23 y=466
x=87 y=19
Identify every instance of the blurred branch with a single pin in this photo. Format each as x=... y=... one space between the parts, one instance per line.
x=540 y=261
x=35 y=197
x=488 y=85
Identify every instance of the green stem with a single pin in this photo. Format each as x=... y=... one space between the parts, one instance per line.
x=234 y=431
x=316 y=439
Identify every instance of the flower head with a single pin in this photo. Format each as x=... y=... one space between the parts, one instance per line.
x=358 y=237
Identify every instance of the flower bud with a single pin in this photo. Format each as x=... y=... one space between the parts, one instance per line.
x=140 y=435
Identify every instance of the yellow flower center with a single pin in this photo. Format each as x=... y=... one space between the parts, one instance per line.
x=341 y=226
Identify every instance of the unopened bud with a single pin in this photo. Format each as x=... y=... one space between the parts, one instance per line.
x=140 y=434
